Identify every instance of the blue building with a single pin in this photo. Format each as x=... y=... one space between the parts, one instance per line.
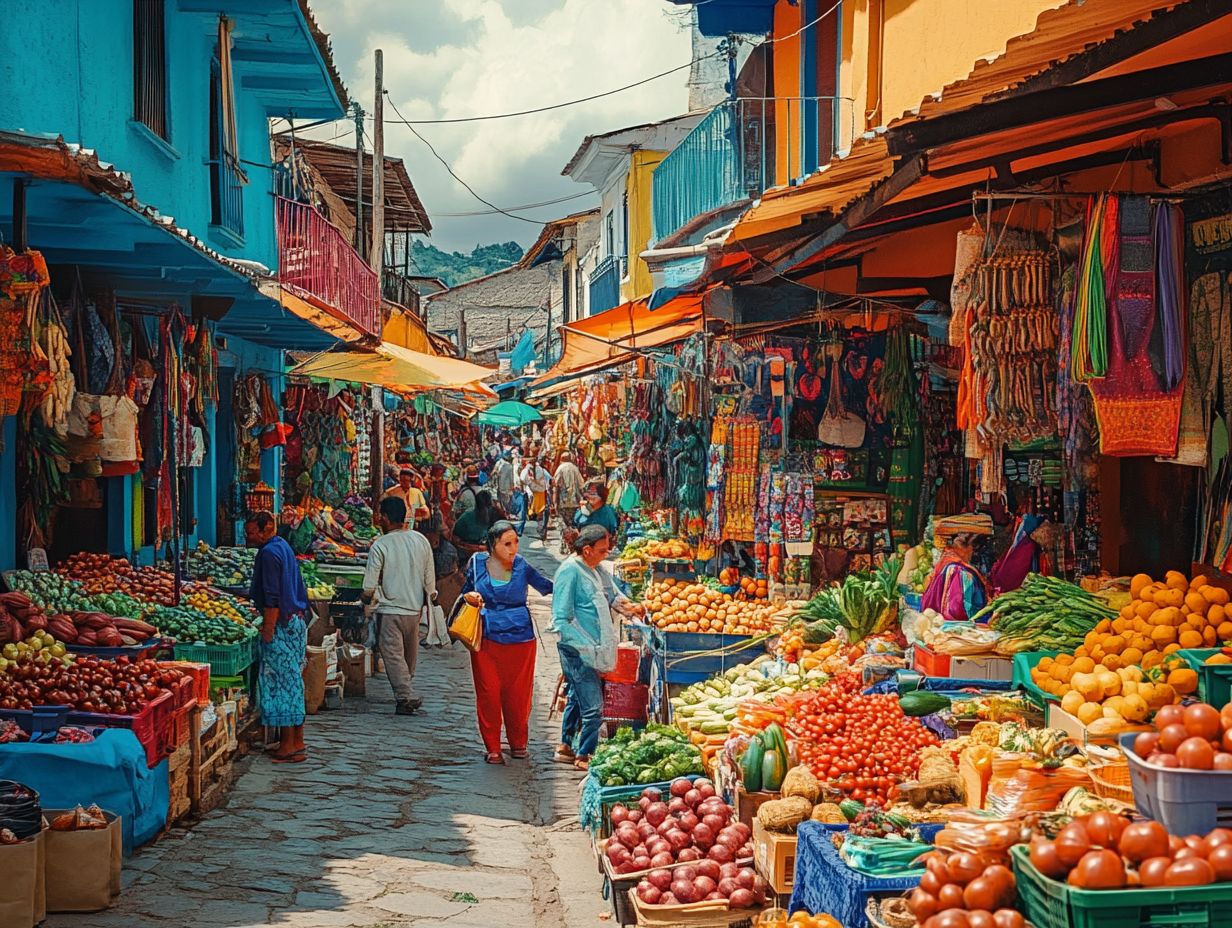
x=136 y=157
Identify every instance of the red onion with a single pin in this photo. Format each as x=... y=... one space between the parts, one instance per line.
x=741 y=899
x=651 y=895
x=619 y=814
x=688 y=820
x=714 y=822
x=678 y=840
x=705 y=787
x=703 y=837
x=746 y=878
x=729 y=869
x=656 y=813
x=651 y=794
x=688 y=874
x=690 y=854
x=645 y=830
x=684 y=891
x=693 y=797
x=667 y=899
x=634 y=816
x=760 y=888
x=680 y=786
x=728 y=885
x=744 y=830
x=644 y=802
x=662 y=859
x=704 y=886
x=709 y=868
x=720 y=853
x=641 y=862
x=677 y=806
x=660 y=878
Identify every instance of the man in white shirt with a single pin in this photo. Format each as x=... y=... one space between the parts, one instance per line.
x=504 y=479
x=411 y=496
x=401 y=578
x=536 y=480
x=567 y=484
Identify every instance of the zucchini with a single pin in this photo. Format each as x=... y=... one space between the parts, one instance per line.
x=850 y=809
x=751 y=765
x=916 y=703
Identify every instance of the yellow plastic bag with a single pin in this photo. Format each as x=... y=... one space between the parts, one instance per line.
x=467 y=625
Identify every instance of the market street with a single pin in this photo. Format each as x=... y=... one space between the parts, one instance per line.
x=392 y=821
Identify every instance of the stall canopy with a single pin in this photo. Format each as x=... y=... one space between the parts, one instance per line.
x=398 y=368
x=509 y=414
x=613 y=337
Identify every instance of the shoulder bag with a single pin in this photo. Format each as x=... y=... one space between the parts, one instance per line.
x=465 y=620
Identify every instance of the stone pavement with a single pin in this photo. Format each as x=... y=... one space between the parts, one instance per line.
x=393 y=821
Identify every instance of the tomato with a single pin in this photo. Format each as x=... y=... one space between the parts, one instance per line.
x=1192 y=871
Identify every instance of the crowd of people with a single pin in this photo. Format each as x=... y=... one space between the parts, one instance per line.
x=442 y=546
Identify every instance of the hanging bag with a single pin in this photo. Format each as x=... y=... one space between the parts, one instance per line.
x=465 y=620
x=839 y=426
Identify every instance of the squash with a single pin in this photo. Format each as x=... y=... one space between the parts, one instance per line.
x=751 y=765
x=773 y=769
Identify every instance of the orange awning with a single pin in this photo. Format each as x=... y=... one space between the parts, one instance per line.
x=613 y=337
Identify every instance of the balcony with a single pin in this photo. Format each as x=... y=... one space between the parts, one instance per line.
x=396 y=288
x=605 y=283
x=227 y=195
x=315 y=257
x=742 y=148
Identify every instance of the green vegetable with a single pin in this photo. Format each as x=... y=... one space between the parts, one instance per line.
x=774 y=739
x=773 y=769
x=1045 y=613
x=919 y=703
x=850 y=809
x=751 y=765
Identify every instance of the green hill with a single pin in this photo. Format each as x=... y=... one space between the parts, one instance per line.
x=455 y=268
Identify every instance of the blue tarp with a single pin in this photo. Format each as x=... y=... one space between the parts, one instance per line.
x=110 y=771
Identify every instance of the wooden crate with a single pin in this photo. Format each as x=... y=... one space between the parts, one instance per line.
x=775 y=857
x=211 y=752
x=179 y=767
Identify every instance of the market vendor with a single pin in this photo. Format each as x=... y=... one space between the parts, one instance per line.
x=411 y=495
x=595 y=509
x=278 y=591
x=957 y=590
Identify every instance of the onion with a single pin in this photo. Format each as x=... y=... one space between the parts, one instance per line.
x=651 y=794
x=728 y=885
x=668 y=824
x=703 y=837
x=746 y=833
x=721 y=853
x=714 y=822
x=745 y=878
x=731 y=839
x=616 y=852
x=729 y=869
x=688 y=820
x=689 y=853
x=626 y=866
x=662 y=859
x=656 y=813
x=741 y=899
x=677 y=806
x=704 y=886
x=657 y=845
x=678 y=840
x=684 y=891
x=680 y=786
x=629 y=838
x=649 y=894
x=693 y=797
x=641 y=862
x=662 y=879
x=688 y=874
x=619 y=814
x=760 y=888
x=709 y=868
x=715 y=895
x=646 y=830
x=634 y=816
x=667 y=899
x=705 y=787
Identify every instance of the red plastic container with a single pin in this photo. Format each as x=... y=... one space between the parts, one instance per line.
x=200 y=674
x=628 y=663
x=150 y=725
x=179 y=731
x=625 y=701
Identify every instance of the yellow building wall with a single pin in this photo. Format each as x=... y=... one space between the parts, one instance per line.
x=786 y=60
x=408 y=331
x=640 y=189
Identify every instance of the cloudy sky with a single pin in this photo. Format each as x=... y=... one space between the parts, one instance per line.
x=460 y=58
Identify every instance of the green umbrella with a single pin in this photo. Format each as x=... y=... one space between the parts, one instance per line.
x=510 y=413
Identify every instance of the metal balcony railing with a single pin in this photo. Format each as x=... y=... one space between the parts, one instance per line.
x=605 y=283
x=315 y=257
x=742 y=148
x=397 y=288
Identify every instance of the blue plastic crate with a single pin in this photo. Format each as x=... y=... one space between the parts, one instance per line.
x=39 y=719
x=688 y=657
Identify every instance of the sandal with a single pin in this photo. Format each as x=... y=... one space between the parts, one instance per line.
x=581 y=764
x=295 y=757
x=562 y=758
x=519 y=753
x=495 y=758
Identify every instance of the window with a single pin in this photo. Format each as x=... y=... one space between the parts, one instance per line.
x=624 y=228
x=566 y=289
x=227 y=178
x=150 y=66
x=873 y=75
x=609 y=234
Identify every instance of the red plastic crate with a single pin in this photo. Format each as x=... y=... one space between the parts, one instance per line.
x=628 y=664
x=626 y=701
x=180 y=729
x=150 y=725
x=930 y=663
x=200 y=674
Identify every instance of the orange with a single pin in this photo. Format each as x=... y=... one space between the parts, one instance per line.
x=1138 y=583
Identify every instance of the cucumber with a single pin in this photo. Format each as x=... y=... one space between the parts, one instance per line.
x=850 y=809
x=916 y=703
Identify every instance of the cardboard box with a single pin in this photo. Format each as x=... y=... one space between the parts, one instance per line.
x=774 y=855
x=957 y=667
x=82 y=868
x=1059 y=718
x=747 y=804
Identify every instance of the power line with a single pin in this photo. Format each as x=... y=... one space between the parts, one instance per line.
x=488 y=212
x=471 y=190
x=554 y=106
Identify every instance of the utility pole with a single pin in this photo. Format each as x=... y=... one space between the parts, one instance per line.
x=377 y=258
x=359 y=177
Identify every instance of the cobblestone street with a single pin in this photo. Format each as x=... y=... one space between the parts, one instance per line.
x=392 y=821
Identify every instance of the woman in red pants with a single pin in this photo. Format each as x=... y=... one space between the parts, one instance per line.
x=504 y=666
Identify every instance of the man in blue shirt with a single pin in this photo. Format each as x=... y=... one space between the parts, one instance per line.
x=280 y=596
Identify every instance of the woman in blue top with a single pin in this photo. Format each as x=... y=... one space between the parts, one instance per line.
x=582 y=606
x=595 y=509
x=504 y=666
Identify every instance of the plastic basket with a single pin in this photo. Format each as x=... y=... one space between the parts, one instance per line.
x=597 y=801
x=1024 y=663
x=150 y=725
x=1214 y=680
x=625 y=701
x=628 y=664
x=1047 y=903
x=1112 y=781
x=688 y=657
x=200 y=674
x=1186 y=802
x=180 y=728
x=39 y=719
x=134 y=651
x=225 y=660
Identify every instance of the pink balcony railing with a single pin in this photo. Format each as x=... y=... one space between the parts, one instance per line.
x=315 y=257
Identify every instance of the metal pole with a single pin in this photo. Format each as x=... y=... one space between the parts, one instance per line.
x=377 y=256
x=359 y=178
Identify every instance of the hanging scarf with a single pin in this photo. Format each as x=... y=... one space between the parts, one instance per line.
x=1089 y=352
x=1170 y=289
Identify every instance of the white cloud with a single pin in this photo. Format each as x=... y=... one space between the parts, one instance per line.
x=461 y=58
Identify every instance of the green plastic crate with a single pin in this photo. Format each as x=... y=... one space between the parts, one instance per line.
x=1048 y=903
x=225 y=660
x=1024 y=663
x=1214 y=680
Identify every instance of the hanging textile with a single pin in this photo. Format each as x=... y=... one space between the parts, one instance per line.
x=1137 y=413
x=1089 y=349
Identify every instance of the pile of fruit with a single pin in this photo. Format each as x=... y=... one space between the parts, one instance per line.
x=918 y=565
x=40 y=647
x=1195 y=737
x=763 y=765
x=1106 y=700
x=960 y=891
x=687 y=846
x=88 y=684
x=97 y=629
x=862 y=745
x=189 y=625
x=672 y=549
x=695 y=607
x=318 y=587
x=52 y=591
x=796 y=647
x=225 y=566
x=216 y=603
x=653 y=755
x=1107 y=851
x=101 y=573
